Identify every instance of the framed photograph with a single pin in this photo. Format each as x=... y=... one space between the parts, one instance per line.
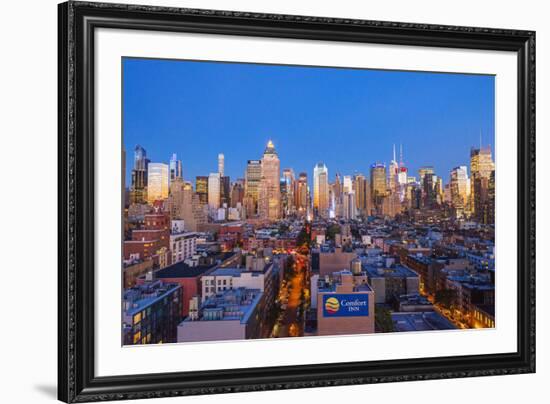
x=257 y=201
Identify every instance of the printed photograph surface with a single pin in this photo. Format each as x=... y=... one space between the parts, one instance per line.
x=275 y=201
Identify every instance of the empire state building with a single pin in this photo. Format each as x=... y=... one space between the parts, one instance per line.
x=270 y=192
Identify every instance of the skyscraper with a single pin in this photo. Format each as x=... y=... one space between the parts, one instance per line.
x=225 y=190
x=158 y=181
x=429 y=193
x=393 y=173
x=270 y=191
x=427 y=185
x=287 y=189
x=348 y=184
x=184 y=204
x=214 y=190
x=320 y=190
x=481 y=167
x=237 y=193
x=362 y=194
x=422 y=171
x=348 y=203
x=378 y=184
x=138 y=187
x=459 y=189
x=221 y=164
x=253 y=176
x=201 y=187
x=175 y=168
x=300 y=194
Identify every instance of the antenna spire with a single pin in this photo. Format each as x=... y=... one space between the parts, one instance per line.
x=394 y=153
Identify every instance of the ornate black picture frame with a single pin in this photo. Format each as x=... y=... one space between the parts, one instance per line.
x=77 y=23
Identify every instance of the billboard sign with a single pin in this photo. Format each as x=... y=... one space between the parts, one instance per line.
x=345 y=305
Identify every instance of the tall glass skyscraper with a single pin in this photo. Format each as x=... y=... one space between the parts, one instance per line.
x=321 y=200
x=158 y=182
x=270 y=189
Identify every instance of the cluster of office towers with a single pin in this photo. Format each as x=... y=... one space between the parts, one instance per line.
x=265 y=194
x=391 y=190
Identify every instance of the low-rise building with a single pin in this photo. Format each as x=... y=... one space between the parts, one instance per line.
x=183 y=245
x=133 y=269
x=334 y=259
x=391 y=282
x=345 y=304
x=414 y=303
x=482 y=316
x=423 y=321
x=151 y=313
x=232 y=315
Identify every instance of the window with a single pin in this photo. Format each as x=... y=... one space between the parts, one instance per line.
x=137 y=318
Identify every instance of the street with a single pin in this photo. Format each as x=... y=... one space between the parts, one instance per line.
x=290 y=322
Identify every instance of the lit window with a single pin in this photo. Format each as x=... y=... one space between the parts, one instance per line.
x=137 y=318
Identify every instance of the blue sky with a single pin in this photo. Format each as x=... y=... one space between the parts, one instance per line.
x=347 y=118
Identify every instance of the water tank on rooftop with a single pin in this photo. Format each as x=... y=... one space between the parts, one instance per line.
x=356 y=266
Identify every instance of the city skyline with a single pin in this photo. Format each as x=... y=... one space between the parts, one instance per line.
x=153 y=106
x=446 y=177
x=369 y=206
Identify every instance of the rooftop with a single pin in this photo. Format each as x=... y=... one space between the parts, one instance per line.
x=424 y=321
x=232 y=304
x=140 y=296
x=395 y=271
x=236 y=272
x=182 y=270
x=359 y=282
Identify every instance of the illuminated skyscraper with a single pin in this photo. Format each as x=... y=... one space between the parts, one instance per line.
x=362 y=194
x=287 y=191
x=201 y=187
x=337 y=187
x=138 y=187
x=175 y=168
x=300 y=194
x=459 y=189
x=320 y=190
x=429 y=190
x=378 y=184
x=270 y=192
x=221 y=164
x=253 y=177
x=348 y=184
x=214 y=190
x=422 y=171
x=402 y=177
x=348 y=205
x=158 y=181
x=392 y=173
x=481 y=167
x=427 y=185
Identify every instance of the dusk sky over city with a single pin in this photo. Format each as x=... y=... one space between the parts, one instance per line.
x=346 y=118
x=264 y=258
